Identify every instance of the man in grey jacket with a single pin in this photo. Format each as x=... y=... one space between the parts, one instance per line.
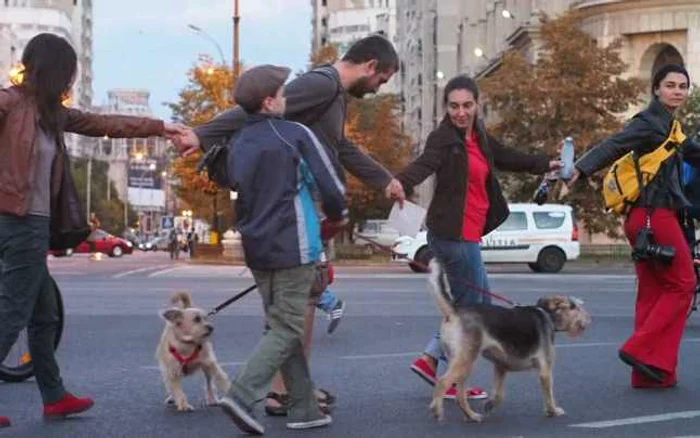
x=319 y=100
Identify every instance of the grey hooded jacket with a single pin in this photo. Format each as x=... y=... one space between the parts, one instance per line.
x=317 y=100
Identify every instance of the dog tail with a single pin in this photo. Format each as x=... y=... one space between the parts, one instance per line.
x=440 y=288
x=183 y=298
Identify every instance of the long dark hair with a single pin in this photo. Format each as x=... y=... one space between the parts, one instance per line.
x=50 y=65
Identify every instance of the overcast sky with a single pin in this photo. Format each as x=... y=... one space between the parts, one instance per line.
x=147 y=44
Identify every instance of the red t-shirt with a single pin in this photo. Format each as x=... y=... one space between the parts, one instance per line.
x=477 y=200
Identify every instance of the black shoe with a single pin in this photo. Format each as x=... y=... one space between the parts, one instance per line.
x=335 y=316
x=649 y=371
x=241 y=415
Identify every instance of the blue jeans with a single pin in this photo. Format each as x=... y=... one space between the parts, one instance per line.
x=465 y=273
x=327 y=301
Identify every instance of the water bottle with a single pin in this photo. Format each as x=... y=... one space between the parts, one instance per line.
x=567 y=159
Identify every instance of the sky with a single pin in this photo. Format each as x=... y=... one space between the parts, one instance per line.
x=147 y=44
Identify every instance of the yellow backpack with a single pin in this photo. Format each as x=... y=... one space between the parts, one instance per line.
x=621 y=185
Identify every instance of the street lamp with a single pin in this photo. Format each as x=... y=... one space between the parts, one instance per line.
x=478 y=52
x=199 y=31
x=507 y=14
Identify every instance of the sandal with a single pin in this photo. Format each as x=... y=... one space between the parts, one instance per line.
x=327 y=398
x=283 y=401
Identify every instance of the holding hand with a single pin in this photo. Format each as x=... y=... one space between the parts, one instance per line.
x=184 y=137
x=394 y=190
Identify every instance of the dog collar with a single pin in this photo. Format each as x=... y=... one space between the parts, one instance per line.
x=184 y=361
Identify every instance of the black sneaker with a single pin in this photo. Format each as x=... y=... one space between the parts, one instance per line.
x=242 y=416
x=335 y=316
x=311 y=424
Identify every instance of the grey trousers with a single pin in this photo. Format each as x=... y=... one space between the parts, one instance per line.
x=28 y=298
x=285 y=294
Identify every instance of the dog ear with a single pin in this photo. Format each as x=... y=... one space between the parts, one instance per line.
x=172 y=315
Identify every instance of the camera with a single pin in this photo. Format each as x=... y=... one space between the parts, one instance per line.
x=646 y=249
x=542 y=192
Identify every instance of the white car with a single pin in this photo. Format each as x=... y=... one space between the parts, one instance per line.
x=543 y=236
x=378 y=231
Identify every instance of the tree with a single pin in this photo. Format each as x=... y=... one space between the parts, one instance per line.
x=689 y=115
x=110 y=212
x=374 y=126
x=575 y=88
x=209 y=92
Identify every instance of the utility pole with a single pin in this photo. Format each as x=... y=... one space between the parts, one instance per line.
x=89 y=184
x=236 y=40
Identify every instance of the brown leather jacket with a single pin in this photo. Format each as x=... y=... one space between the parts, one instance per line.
x=18 y=122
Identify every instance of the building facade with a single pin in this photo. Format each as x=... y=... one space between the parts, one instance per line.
x=137 y=167
x=342 y=22
x=21 y=20
x=441 y=38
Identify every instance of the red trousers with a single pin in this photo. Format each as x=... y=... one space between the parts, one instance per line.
x=664 y=296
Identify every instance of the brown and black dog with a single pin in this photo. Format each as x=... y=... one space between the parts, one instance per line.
x=517 y=339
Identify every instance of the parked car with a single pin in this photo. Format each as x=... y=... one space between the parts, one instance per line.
x=543 y=236
x=103 y=242
x=377 y=230
x=156 y=244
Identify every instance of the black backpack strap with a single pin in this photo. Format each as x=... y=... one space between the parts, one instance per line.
x=327 y=71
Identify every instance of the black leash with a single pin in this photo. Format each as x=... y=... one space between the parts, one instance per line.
x=231 y=300
x=427 y=268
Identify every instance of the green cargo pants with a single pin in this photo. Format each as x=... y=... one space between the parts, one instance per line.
x=285 y=294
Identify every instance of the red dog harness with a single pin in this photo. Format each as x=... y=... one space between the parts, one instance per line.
x=184 y=361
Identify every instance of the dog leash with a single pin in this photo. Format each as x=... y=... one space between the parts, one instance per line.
x=472 y=286
x=231 y=300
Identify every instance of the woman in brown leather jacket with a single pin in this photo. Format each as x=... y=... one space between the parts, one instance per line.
x=32 y=122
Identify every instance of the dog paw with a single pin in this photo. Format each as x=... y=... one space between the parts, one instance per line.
x=437 y=409
x=556 y=412
x=185 y=407
x=169 y=401
x=477 y=418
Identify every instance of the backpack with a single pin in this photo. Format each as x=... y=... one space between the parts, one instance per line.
x=626 y=178
x=215 y=159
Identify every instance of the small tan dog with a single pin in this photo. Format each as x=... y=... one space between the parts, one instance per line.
x=184 y=348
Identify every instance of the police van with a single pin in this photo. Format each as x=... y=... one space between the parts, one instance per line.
x=543 y=236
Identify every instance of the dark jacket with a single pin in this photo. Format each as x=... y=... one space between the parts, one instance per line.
x=445 y=155
x=18 y=122
x=276 y=166
x=316 y=99
x=645 y=132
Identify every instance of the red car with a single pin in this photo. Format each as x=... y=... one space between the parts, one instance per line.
x=102 y=242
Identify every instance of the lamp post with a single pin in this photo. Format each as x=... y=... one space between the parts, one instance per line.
x=236 y=39
x=201 y=32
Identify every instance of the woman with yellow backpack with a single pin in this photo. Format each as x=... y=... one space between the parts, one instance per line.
x=644 y=183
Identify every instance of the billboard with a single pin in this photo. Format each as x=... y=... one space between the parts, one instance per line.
x=145 y=184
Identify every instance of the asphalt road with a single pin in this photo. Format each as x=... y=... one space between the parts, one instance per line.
x=112 y=330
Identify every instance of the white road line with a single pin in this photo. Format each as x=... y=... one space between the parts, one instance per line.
x=136 y=271
x=164 y=271
x=639 y=420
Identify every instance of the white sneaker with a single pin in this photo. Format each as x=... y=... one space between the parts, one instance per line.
x=242 y=417
x=301 y=425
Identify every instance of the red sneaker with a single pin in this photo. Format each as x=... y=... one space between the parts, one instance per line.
x=4 y=422
x=472 y=393
x=424 y=370
x=68 y=405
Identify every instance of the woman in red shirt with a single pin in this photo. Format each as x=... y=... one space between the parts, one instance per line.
x=467 y=203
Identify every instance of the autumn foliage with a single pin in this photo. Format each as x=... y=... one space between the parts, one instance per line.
x=575 y=88
x=208 y=93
